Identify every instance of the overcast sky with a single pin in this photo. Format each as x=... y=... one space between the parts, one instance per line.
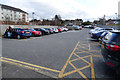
x=67 y=9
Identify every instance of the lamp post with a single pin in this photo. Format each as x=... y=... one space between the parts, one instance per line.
x=116 y=20
x=33 y=16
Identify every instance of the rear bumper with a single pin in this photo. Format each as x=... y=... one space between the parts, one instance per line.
x=109 y=61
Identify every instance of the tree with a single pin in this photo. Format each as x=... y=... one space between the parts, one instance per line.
x=86 y=23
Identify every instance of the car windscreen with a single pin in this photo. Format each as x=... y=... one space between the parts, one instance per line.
x=42 y=28
x=32 y=30
x=25 y=30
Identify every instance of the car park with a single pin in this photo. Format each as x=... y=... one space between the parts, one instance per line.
x=18 y=33
x=110 y=49
x=35 y=33
x=44 y=31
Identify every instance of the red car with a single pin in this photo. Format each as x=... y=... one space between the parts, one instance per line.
x=59 y=29
x=35 y=33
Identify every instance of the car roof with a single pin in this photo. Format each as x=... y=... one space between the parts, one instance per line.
x=116 y=31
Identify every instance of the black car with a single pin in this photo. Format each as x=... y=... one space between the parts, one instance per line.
x=44 y=31
x=110 y=49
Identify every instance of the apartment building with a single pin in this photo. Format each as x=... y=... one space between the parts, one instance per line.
x=12 y=15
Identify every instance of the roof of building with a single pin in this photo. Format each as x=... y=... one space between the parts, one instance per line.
x=12 y=8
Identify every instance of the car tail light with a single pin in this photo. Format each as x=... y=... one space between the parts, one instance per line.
x=110 y=64
x=113 y=47
x=21 y=31
x=92 y=34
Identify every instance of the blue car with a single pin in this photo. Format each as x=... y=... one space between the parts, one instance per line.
x=96 y=35
x=17 y=33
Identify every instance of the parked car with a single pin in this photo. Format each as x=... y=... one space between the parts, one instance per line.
x=59 y=29
x=95 y=29
x=55 y=30
x=110 y=49
x=77 y=28
x=65 y=29
x=35 y=33
x=44 y=32
x=51 y=31
x=96 y=34
x=89 y=26
x=18 y=33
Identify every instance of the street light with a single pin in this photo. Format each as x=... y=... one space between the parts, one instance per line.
x=116 y=20
x=33 y=16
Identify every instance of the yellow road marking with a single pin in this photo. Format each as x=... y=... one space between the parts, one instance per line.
x=78 y=71
x=24 y=63
x=89 y=53
x=61 y=72
x=73 y=71
x=79 y=58
x=82 y=58
x=92 y=69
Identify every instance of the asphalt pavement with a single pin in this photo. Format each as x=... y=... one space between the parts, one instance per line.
x=69 y=54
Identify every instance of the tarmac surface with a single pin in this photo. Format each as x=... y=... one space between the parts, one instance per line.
x=69 y=54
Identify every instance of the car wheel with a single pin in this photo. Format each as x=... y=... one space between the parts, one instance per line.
x=18 y=37
x=5 y=36
x=33 y=34
x=28 y=37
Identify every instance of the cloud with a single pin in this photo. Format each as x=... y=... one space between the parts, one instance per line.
x=68 y=9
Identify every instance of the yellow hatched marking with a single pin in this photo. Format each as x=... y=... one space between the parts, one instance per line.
x=73 y=71
x=64 y=67
x=82 y=58
x=79 y=58
x=78 y=71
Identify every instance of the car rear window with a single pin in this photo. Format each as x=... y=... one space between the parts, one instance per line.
x=113 y=38
x=32 y=30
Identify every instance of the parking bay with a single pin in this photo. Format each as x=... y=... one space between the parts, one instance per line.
x=69 y=54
